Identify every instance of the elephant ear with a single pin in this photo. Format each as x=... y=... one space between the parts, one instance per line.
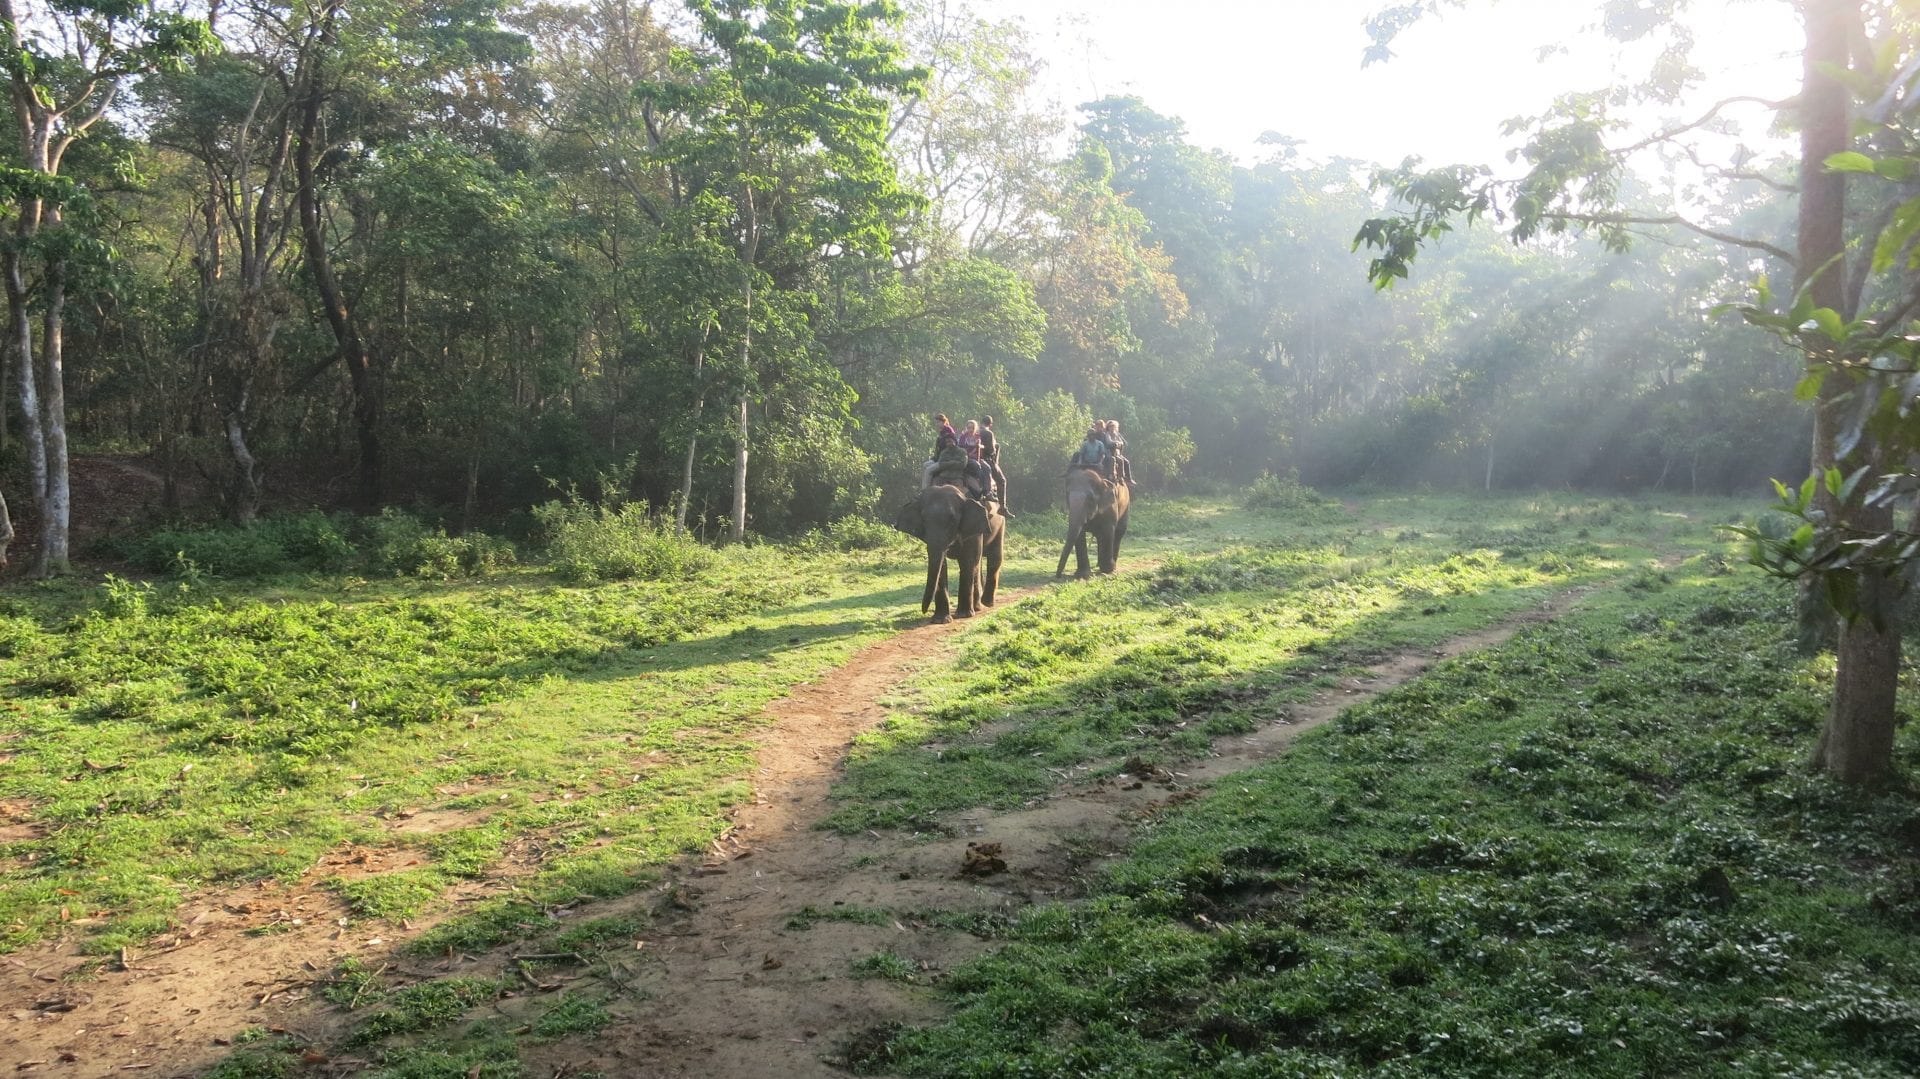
x=911 y=520
x=973 y=519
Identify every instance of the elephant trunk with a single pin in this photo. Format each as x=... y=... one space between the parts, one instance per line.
x=1079 y=508
x=936 y=562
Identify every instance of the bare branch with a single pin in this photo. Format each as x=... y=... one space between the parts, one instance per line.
x=1676 y=219
x=1675 y=132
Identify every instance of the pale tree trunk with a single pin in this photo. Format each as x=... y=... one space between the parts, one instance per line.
x=748 y=252
x=6 y=530
x=244 y=500
x=1489 y=478
x=47 y=125
x=54 y=557
x=472 y=502
x=740 y=477
x=20 y=343
x=1857 y=743
x=693 y=440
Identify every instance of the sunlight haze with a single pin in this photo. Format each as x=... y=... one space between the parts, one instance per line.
x=1233 y=70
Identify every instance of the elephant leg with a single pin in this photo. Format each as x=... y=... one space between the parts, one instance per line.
x=990 y=568
x=1112 y=550
x=942 y=612
x=968 y=554
x=1080 y=556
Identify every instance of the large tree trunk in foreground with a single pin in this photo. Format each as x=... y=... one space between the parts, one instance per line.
x=1856 y=745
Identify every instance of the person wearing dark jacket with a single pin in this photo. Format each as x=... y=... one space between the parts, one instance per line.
x=943 y=436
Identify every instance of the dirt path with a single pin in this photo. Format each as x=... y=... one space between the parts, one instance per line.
x=735 y=987
x=726 y=981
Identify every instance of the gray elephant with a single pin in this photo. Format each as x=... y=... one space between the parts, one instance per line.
x=972 y=534
x=1098 y=508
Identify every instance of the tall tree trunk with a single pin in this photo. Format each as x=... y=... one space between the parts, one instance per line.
x=54 y=558
x=346 y=329
x=1856 y=744
x=693 y=440
x=472 y=501
x=20 y=343
x=740 y=476
x=746 y=367
x=6 y=530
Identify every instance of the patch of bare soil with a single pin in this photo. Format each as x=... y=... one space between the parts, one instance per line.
x=745 y=969
x=111 y=493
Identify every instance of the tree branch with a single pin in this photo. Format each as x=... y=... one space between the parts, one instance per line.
x=1676 y=219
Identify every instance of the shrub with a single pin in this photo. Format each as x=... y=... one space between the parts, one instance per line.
x=393 y=541
x=295 y=543
x=852 y=534
x=591 y=543
x=1271 y=492
x=401 y=544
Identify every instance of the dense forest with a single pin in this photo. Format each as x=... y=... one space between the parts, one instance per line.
x=458 y=255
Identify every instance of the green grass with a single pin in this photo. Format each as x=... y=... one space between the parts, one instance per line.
x=1595 y=851
x=1153 y=665
x=165 y=740
x=168 y=739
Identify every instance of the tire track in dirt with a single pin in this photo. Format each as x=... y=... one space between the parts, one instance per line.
x=733 y=985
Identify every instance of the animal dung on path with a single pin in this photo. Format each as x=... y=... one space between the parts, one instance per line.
x=982 y=860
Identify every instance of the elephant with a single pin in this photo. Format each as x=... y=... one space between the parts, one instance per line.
x=954 y=526
x=1094 y=506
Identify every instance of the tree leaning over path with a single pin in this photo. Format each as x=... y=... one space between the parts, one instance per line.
x=65 y=63
x=1574 y=184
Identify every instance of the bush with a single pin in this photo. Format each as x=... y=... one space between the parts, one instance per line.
x=852 y=534
x=306 y=542
x=591 y=543
x=399 y=543
x=1271 y=492
x=395 y=542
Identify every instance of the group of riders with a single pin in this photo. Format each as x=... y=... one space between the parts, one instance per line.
x=969 y=458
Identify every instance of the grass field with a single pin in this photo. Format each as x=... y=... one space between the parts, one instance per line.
x=1590 y=852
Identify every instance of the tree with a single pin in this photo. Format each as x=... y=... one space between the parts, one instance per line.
x=65 y=65
x=783 y=112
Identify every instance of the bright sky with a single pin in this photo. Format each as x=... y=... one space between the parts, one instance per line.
x=1233 y=69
